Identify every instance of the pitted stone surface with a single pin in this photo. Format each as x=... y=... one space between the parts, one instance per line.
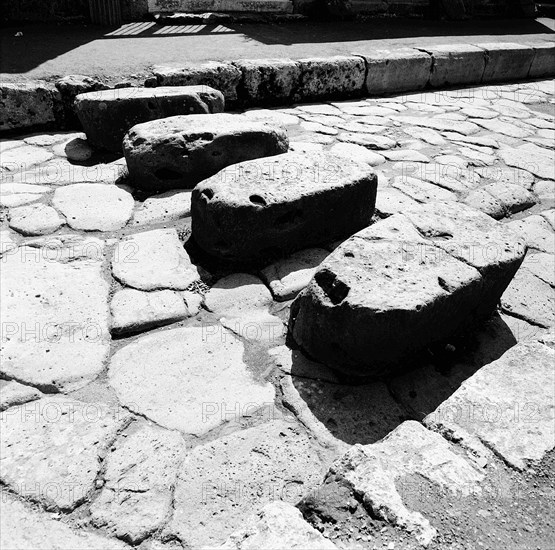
x=52 y=448
x=278 y=525
x=180 y=378
x=13 y=393
x=141 y=470
x=153 y=260
x=136 y=311
x=94 y=206
x=35 y=219
x=107 y=115
x=282 y=203
x=222 y=482
x=162 y=208
x=55 y=314
x=484 y=405
x=402 y=284
x=180 y=151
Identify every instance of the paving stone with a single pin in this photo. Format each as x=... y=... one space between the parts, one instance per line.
x=506 y=61
x=422 y=191
x=268 y=80
x=179 y=152
x=137 y=311
x=549 y=215
x=165 y=207
x=456 y=64
x=47 y=140
x=293 y=362
x=22 y=527
x=193 y=301
x=363 y=128
x=272 y=116
x=278 y=525
x=452 y=160
x=425 y=134
x=141 y=471
x=67 y=248
x=449 y=177
x=486 y=203
x=281 y=203
x=329 y=77
x=107 y=115
x=405 y=155
x=8 y=244
x=513 y=197
x=388 y=276
x=94 y=206
x=318 y=128
x=287 y=277
x=55 y=316
x=153 y=260
x=180 y=378
x=23 y=158
x=444 y=125
x=392 y=201
x=513 y=176
x=358 y=153
x=542 y=265
x=536 y=231
x=507 y=404
x=37 y=439
x=35 y=219
x=367 y=140
x=530 y=298
x=477 y=157
x=222 y=482
x=532 y=158
x=219 y=75
x=483 y=141
x=13 y=393
x=503 y=127
x=20 y=199
x=545 y=189
x=305 y=148
x=374 y=473
x=397 y=70
x=476 y=112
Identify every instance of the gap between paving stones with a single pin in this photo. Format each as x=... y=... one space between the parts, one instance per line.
x=249 y=83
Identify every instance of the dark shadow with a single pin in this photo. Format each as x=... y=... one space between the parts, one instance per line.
x=366 y=412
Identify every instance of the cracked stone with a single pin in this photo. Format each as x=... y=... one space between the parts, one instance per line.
x=35 y=219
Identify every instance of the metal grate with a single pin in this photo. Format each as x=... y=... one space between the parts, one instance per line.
x=105 y=12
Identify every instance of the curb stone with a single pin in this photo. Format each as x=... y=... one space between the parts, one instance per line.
x=249 y=83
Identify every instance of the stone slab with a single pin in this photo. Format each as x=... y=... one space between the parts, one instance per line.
x=456 y=64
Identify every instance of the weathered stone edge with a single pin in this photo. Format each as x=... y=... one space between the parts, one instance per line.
x=284 y=81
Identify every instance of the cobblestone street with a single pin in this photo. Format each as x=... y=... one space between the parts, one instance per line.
x=154 y=397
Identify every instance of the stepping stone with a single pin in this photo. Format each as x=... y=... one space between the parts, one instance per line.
x=153 y=260
x=54 y=307
x=94 y=206
x=278 y=525
x=13 y=393
x=375 y=474
x=137 y=311
x=403 y=284
x=107 y=115
x=162 y=208
x=180 y=378
x=178 y=152
x=61 y=448
x=22 y=526
x=35 y=219
x=507 y=404
x=141 y=470
x=223 y=481
x=277 y=205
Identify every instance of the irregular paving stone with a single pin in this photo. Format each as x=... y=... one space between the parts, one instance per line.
x=23 y=527
x=7 y=242
x=545 y=189
x=287 y=277
x=318 y=128
x=141 y=470
x=422 y=191
x=94 y=206
x=153 y=260
x=358 y=127
x=375 y=471
x=449 y=177
x=542 y=265
x=35 y=219
x=13 y=393
x=281 y=203
x=328 y=77
x=278 y=525
x=20 y=199
x=397 y=70
x=476 y=112
x=273 y=116
x=530 y=298
x=476 y=157
x=456 y=64
x=136 y=311
x=503 y=127
x=445 y=125
x=536 y=231
x=178 y=152
x=55 y=318
x=39 y=437
x=405 y=155
x=293 y=362
x=483 y=141
x=367 y=140
x=532 y=158
x=358 y=153
x=451 y=160
x=391 y=201
x=217 y=74
x=320 y=109
x=22 y=158
x=513 y=176
x=67 y=248
x=180 y=378
x=223 y=481
x=107 y=115
x=486 y=203
x=268 y=80
x=549 y=215
x=398 y=286
x=165 y=207
x=513 y=197
x=425 y=134
x=507 y=404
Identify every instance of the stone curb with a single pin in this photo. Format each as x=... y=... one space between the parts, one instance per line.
x=274 y=82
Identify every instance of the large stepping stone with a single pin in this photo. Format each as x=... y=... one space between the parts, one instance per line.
x=178 y=152
x=107 y=115
x=278 y=205
x=403 y=284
